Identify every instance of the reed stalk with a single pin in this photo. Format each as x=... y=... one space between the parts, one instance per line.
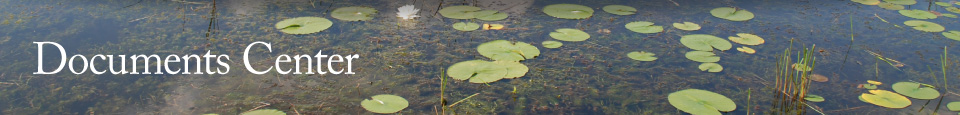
x=791 y=85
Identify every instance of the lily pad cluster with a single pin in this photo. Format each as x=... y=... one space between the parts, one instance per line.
x=568 y=11
x=471 y=12
x=619 y=9
x=355 y=13
x=479 y=71
x=303 y=25
x=732 y=14
x=643 y=27
x=915 y=90
x=384 y=103
x=701 y=102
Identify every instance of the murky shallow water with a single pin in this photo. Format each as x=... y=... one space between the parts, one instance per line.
x=408 y=57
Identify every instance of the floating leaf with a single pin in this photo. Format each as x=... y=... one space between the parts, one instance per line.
x=514 y=69
x=901 y=2
x=915 y=90
x=952 y=34
x=459 y=12
x=477 y=71
x=918 y=14
x=303 y=25
x=700 y=102
x=869 y=86
x=552 y=44
x=643 y=27
x=924 y=25
x=492 y=26
x=710 y=67
x=746 y=49
x=801 y=67
x=619 y=9
x=867 y=2
x=747 y=39
x=466 y=26
x=943 y=4
x=890 y=6
x=356 y=13
x=704 y=42
x=954 y=106
x=688 y=26
x=264 y=112
x=874 y=82
x=886 y=99
x=569 y=34
x=813 y=98
x=490 y=15
x=568 y=11
x=818 y=78
x=953 y=9
x=732 y=14
x=642 y=56
x=384 y=103
x=503 y=50
x=702 y=56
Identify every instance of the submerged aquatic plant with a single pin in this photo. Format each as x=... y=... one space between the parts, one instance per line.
x=503 y=50
x=710 y=67
x=886 y=99
x=466 y=26
x=643 y=27
x=552 y=44
x=688 y=26
x=704 y=42
x=732 y=14
x=407 y=12
x=569 y=34
x=924 y=25
x=642 y=56
x=264 y=112
x=356 y=13
x=702 y=56
x=619 y=9
x=568 y=11
x=384 y=103
x=303 y=25
x=459 y=12
x=701 y=102
x=915 y=90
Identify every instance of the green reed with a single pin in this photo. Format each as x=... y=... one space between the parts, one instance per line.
x=791 y=85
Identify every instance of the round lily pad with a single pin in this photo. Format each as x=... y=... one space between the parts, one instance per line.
x=710 y=67
x=552 y=44
x=818 y=78
x=356 y=13
x=886 y=99
x=813 y=98
x=943 y=4
x=924 y=25
x=643 y=27
x=688 y=26
x=642 y=56
x=384 y=103
x=867 y=2
x=747 y=50
x=700 y=102
x=702 y=56
x=915 y=90
x=477 y=71
x=514 y=69
x=801 y=67
x=503 y=50
x=953 y=9
x=952 y=34
x=569 y=34
x=901 y=2
x=704 y=42
x=954 y=106
x=492 y=17
x=303 y=25
x=890 y=6
x=619 y=9
x=568 y=11
x=732 y=14
x=466 y=26
x=747 y=39
x=264 y=112
x=918 y=14
x=948 y=15
x=459 y=12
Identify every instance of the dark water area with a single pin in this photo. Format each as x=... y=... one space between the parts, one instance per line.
x=412 y=58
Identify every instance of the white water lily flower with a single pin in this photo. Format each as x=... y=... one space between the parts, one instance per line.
x=407 y=12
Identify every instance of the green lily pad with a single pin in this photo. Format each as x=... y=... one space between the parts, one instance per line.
x=264 y=112
x=704 y=42
x=384 y=103
x=886 y=99
x=702 y=56
x=643 y=27
x=943 y=4
x=747 y=39
x=813 y=98
x=700 y=102
x=890 y=6
x=915 y=90
x=954 y=106
x=303 y=25
x=901 y=2
x=948 y=15
x=642 y=56
x=569 y=34
x=867 y=2
x=503 y=50
x=688 y=26
x=619 y=9
x=710 y=67
x=514 y=69
x=924 y=25
x=952 y=34
x=568 y=11
x=490 y=15
x=869 y=86
x=953 y=9
x=356 y=13
x=552 y=44
x=918 y=14
x=732 y=14
x=466 y=26
x=459 y=12
x=477 y=71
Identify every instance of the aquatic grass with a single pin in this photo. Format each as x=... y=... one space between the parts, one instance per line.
x=791 y=86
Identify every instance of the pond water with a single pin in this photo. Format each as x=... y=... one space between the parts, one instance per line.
x=411 y=58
